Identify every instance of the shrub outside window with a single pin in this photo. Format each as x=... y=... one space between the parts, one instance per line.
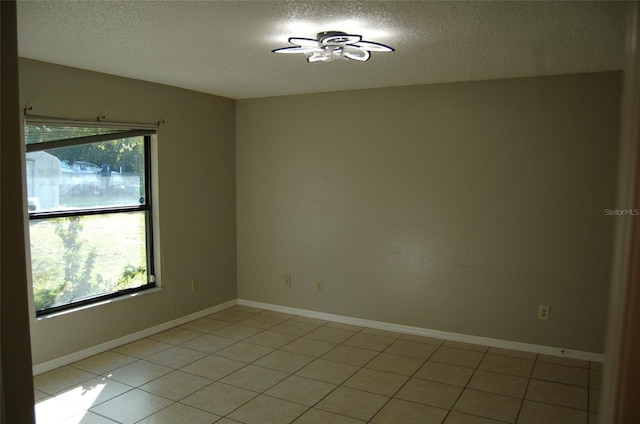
x=90 y=213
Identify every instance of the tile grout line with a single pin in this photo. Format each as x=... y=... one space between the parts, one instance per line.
x=235 y=341
x=291 y=374
x=296 y=337
x=263 y=393
x=396 y=392
x=360 y=331
x=405 y=383
x=466 y=385
x=246 y=365
x=337 y=385
x=179 y=369
x=218 y=379
x=526 y=389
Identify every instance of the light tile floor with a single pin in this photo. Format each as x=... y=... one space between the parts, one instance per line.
x=251 y=366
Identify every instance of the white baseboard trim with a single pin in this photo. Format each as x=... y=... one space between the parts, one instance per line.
x=103 y=347
x=485 y=341
x=465 y=338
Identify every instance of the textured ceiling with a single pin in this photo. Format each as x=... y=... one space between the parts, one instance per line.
x=224 y=47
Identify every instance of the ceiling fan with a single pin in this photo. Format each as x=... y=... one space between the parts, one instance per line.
x=332 y=45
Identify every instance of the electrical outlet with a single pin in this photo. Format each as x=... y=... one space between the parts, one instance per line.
x=286 y=281
x=194 y=285
x=543 y=312
x=319 y=286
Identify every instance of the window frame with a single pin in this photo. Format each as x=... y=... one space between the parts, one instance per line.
x=149 y=207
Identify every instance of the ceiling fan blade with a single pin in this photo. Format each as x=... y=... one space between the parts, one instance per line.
x=373 y=47
x=305 y=42
x=356 y=53
x=296 y=49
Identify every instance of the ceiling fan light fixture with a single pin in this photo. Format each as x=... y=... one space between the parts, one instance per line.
x=332 y=45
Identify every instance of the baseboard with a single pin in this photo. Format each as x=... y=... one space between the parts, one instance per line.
x=485 y=341
x=103 y=347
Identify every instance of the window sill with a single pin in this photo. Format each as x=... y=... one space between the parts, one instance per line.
x=100 y=303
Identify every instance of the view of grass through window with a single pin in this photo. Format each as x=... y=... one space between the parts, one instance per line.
x=89 y=211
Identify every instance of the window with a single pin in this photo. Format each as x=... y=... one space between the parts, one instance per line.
x=90 y=213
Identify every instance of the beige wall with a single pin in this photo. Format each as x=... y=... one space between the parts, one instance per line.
x=454 y=207
x=196 y=160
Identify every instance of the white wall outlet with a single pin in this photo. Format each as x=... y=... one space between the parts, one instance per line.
x=286 y=280
x=319 y=286
x=543 y=312
x=194 y=285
